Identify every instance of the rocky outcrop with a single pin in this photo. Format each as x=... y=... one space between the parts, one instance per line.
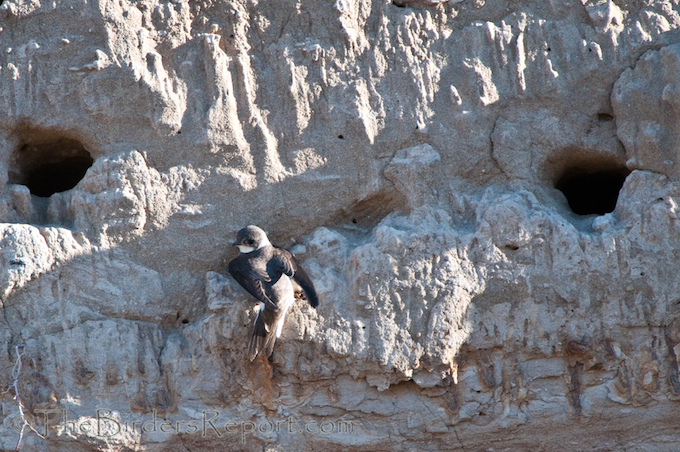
x=485 y=195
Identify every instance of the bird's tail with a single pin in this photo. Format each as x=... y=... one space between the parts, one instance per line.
x=262 y=340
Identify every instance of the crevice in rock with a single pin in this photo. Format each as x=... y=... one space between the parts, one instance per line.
x=604 y=117
x=365 y=214
x=574 y=387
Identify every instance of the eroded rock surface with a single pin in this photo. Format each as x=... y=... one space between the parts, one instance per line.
x=408 y=152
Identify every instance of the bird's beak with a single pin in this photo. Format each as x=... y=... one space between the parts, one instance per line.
x=234 y=244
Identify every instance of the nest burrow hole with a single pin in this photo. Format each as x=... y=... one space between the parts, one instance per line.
x=592 y=190
x=49 y=165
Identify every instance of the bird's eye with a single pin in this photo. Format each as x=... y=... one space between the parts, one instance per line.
x=249 y=242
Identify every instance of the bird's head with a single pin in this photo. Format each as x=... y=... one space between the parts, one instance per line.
x=251 y=238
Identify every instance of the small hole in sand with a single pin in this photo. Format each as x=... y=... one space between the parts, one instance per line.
x=604 y=117
x=49 y=166
x=592 y=192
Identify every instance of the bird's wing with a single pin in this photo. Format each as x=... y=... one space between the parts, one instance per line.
x=282 y=262
x=292 y=268
x=251 y=280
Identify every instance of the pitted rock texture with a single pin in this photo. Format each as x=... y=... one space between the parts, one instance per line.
x=408 y=153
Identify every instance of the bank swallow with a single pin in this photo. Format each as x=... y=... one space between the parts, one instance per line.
x=274 y=277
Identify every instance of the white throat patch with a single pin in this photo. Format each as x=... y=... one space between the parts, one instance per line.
x=245 y=249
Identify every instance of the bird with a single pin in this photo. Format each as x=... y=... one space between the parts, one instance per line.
x=275 y=278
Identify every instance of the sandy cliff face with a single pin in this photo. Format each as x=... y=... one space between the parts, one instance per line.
x=410 y=154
